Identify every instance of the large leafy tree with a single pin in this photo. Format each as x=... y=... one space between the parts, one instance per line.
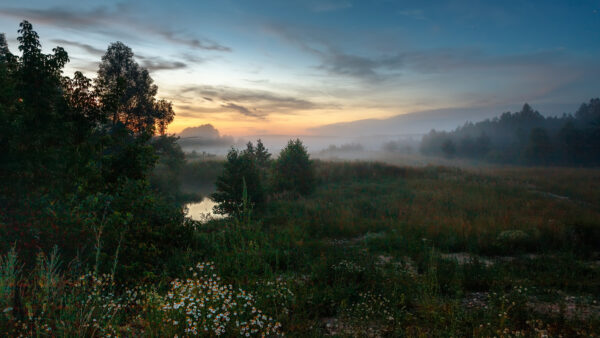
x=128 y=94
x=75 y=157
x=37 y=124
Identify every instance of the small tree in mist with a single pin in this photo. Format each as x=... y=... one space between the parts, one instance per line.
x=263 y=157
x=293 y=170
x=239 y=173
x=448 y=148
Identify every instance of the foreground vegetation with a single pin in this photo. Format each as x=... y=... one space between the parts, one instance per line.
x=375 y=250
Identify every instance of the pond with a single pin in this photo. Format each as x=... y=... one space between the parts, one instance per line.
x=202 y=211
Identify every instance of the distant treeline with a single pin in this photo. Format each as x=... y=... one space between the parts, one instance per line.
x=524 y=137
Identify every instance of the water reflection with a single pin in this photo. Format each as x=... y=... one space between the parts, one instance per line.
x=202 y=211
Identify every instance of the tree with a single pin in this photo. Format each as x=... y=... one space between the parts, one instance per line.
x=250 y=148
x=239 y=173
x=539 y=148
x=293 y=170
x=262 y=155
x=166 y=175
x=572 y=143
x=67 y=167
x=483 y=144
x=448 y=148
x=8 y=98
x=127 y=93
x=35 y=131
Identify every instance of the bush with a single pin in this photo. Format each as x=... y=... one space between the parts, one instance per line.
x=239 y=173
x=293 y=171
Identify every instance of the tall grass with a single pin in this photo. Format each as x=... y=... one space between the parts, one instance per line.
x=376 y=250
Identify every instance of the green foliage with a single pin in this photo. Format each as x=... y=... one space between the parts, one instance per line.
x=77 y=159
x=166 y=175
x=127 y=93
x=263 y=157
x=240 y=173
x=293 y=171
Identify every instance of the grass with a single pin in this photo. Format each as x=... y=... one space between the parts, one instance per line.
x=376 y=250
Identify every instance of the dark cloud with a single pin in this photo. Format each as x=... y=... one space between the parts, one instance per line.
x=194 y=58
x=264 y=101
x=205 y=44
x=332 y=60
x=156 y=64
x=101 y=17
x=245 y=111
x=60 y=16
x=149 y=62
x=376 y=68
x=352 y=65
x=88 y=48
x=432 y=61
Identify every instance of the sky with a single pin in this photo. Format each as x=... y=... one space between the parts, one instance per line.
x=252 y=67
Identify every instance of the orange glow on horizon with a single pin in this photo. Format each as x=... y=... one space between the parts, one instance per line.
x=274 y=124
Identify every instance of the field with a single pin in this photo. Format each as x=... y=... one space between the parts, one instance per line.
x=382 y=250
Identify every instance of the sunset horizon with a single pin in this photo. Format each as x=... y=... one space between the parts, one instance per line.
x=269 y=68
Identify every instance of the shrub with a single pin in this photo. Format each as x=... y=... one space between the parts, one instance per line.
x=293 y=171
x=239 y=173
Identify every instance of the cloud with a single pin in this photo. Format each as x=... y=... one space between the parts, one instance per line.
x=264 y=101
x=205 y=44
x=207 y=131
x=194 y=58
x=151 y=63
x=351 y=65
x=56 y=16
x=331 y=58
x=375 y=67
x=244 y=111
x=99 y=18
x=372 y=66
x=204 y=135
x=156 y=64
x=88 y=48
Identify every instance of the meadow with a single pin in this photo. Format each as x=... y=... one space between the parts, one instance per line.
x=375 y=250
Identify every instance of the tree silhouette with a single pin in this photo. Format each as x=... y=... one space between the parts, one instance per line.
x=448 y=148
x=262 y=155
x=239 y=172
x=524 y=137
x=75 y=156
x=293 y=170
x=127 y=93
